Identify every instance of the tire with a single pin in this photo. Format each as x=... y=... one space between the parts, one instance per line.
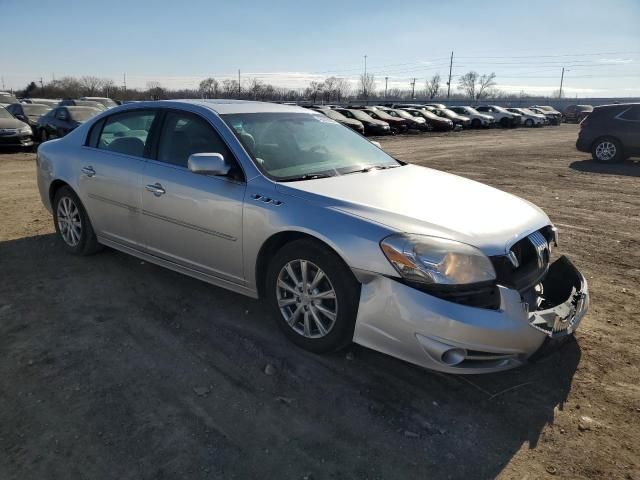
x=607 y=150
x=476 y=123
x=528 y=122
x=44 y=136
x=72 y=224
x=305 y=328
x=505 y=122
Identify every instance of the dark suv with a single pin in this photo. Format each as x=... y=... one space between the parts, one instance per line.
x=576 y=113
x=611 y=133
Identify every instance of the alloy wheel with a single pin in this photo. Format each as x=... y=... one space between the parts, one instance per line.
x=306 y=299
x=69 y=221
x=606 y=151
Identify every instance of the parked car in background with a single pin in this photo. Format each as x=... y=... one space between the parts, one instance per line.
x=459 y=120
x=414 y=123
x=501 y=115
x=61 y=120
x=529 y=118
x=477 y=119
x=611 y=133
x=69 y=102
x=432 y=121
x=398 y=125
x=13 y=132
x=554 y=116
x=338 y=117
x=42 y=101
x=28 y=113
x=7 y=99
x=576 y=113
x=371 y=125
x=106 y=102
x=343 y=242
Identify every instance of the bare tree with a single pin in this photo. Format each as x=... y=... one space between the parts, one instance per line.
x=91 y=85
x=485 y=84
x=108 y=87
x=230 y=88
x=66 y=87
x=467 y=84
x=313 y=90
x=342 y=89
x=155 y=90
x=433 y=86
x=255 y=87
x=208 y=88
x=367 y=85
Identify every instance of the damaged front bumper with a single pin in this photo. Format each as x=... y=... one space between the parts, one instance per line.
x=414 y=326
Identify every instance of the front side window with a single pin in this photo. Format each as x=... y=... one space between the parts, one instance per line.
x=292 y=146
x=127 y=132
x=184 y=134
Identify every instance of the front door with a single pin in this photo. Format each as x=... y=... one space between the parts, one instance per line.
x=191 y=219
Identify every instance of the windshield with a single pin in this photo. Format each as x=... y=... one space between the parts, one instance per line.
x=106 y=102
x=299 y=146
x=404 y=114
x=4 y=113
x=335 y=115
x=360 y=115
x=80 y=114
x=31 y=109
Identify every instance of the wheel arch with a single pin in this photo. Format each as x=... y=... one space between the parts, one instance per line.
x=274 y=243
x=56 y=185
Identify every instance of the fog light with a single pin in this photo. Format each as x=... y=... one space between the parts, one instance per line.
x=454 y=356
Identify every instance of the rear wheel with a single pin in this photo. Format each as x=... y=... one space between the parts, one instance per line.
x=505 y=122
x=313 y=296
x=476 y=123
x=607 y=150
x=528 y=122
x=72 y=223
x=44 y=136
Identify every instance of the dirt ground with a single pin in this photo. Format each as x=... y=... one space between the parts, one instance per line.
x=113 y=368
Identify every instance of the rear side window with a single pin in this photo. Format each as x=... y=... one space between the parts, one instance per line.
x=184 y=134
x=632 y=114
x=126 y=132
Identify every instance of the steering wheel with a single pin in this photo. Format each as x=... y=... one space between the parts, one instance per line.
x=319 y=149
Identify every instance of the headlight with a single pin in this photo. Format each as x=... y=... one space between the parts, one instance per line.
x=433 y=260
x=26 y=129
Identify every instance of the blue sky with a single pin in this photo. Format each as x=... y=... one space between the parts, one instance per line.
x=289 y=43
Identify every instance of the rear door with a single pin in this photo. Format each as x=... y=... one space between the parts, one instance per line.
x=628 y=124
x=191 y=219
x=110 y=182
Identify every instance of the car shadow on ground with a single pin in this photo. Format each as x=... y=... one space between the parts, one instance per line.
x=140 y=372
x=629 y=168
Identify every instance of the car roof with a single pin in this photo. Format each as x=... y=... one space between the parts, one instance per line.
x=224 y=106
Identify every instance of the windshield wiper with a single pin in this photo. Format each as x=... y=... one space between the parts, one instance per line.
x=309 y=176
x=372 y=167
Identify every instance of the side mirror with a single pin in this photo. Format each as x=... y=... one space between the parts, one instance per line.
x=377 y=144
x=208 y=164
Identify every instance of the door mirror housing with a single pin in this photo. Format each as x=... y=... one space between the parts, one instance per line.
x=209 y=164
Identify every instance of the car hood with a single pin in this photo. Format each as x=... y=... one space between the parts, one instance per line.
x=421 y=200
x=11 y=123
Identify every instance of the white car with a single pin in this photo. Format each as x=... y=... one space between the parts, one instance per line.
x=477 y=119
x=501 y=115
x=529 y=117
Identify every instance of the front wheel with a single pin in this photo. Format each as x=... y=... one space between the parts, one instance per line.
x=476 y=123
x=72 y=223
x=528 y=122
x=313 y=296
x=607 y=150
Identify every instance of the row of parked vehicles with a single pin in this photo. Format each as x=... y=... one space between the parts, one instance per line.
x=24 y=122
x=402 y=117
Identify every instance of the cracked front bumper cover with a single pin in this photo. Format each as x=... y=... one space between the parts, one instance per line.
x=414 y=326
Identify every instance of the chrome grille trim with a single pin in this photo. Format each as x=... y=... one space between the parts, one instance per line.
x=541 y=245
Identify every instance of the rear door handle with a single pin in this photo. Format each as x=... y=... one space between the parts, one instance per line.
x=88 y=171
x=156 y=189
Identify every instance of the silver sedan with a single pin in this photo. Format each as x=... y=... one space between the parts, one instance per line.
x=344 y=242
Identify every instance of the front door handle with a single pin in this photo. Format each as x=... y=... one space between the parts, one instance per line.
x=88 y=171
x=156 y=189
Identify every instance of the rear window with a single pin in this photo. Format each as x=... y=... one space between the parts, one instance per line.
x=31 y=109
x=632 y=114
x=83 y=114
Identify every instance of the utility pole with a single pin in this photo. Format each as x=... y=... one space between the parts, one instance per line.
x=364 y=78
x=124 y=83
x=41 y=83
x=413 y=89
x=2 y=83
x=386 y=79
x=561 y=82
x=449 y=82
x=238 y=83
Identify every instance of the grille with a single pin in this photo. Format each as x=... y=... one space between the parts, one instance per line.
x=527 y=261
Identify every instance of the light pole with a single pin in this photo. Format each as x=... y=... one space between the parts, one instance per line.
x=364 y=78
